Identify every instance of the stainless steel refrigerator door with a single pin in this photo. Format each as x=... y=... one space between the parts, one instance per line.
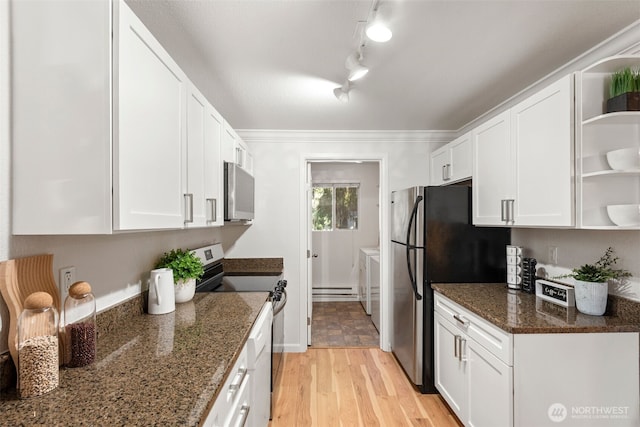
x=407 y=310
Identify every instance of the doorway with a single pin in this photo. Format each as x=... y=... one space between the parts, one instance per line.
x=337 y=229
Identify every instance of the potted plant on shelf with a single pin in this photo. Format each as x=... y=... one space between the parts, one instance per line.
x=592 y=283
x=624 y=91
x=187 y=268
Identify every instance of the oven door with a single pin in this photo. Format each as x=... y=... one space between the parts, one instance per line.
x=277 y=345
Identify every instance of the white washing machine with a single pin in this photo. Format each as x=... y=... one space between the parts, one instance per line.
x=364 y=283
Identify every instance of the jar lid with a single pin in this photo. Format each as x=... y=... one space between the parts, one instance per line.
x=79 y=289
x=38 y=300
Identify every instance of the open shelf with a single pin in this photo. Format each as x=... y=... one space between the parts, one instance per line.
x=616 y=118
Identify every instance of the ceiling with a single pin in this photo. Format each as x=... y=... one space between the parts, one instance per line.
x=273 y=64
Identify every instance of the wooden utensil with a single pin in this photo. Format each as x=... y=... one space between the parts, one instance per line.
x=19 y=278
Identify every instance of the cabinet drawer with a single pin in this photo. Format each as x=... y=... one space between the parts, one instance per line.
x=239 y=411
x=494 y=339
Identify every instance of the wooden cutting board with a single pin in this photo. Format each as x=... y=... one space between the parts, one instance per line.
x=19 y=278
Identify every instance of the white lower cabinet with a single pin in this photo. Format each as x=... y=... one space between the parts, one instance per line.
x=476 y=384
x=491 y=378
x=245 y=396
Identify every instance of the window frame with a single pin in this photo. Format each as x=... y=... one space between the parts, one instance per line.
x=334 y=185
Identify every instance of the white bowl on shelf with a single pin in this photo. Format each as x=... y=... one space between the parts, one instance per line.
x=624 y=215
x=625 y=159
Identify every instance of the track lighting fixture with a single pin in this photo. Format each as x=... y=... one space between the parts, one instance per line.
x=355 y=67
x=377 y=28
x=374 y=28
x=342 y=92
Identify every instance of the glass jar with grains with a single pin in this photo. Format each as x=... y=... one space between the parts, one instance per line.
x=80 y=326
x=38 y=368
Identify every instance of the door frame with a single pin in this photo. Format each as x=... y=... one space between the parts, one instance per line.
x=305 y=240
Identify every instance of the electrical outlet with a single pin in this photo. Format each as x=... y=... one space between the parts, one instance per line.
x=553 y=255
x=67 y=278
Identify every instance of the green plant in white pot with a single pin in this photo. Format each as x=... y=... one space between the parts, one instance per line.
x=187 y=268
x=592 y=283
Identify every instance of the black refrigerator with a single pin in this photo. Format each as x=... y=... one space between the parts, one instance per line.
x=433 y=241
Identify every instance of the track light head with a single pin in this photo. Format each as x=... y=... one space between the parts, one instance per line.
x=377 y=29
x=355 y=67
x=342 y=92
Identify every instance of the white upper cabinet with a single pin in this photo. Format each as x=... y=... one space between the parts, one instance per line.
x=195 y=203
x=602 y=184
x=523 y=162
x=453 y=162
x=150 y=137
x=492 y=170
x=61 y=117
x=235 y=150
x=542 y=134
x=109 y=145
x=213 y=172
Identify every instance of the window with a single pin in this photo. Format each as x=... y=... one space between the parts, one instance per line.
x=335 y=207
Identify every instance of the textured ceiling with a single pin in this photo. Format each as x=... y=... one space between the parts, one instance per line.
x=273 y=64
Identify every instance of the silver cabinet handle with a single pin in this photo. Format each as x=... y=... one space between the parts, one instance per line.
x=461 y=319
x=237 y=381
x=446 y=172
x=244 y=411
x=455 y=346
x=239 y=157
x=188 y=208
x=511 y=210
x=503 y=210
x=213 y=207
x=461 y=356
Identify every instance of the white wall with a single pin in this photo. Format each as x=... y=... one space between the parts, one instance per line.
x=5 y=169
x=337 y=264
x=277 y=168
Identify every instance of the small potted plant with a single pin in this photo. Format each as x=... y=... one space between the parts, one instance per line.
x=624 y=91
x=591 y=283
x=187 y=268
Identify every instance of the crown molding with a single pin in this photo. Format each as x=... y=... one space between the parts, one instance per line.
x=346 y=136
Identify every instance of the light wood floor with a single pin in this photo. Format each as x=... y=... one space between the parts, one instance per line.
x=352 y=387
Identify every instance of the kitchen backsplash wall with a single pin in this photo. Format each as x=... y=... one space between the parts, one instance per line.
x=578 y=247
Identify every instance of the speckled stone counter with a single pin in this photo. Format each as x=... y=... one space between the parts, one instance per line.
x=152 y=370
x=518 y=312
x=253 y=266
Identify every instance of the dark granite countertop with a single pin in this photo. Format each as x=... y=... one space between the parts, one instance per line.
x=518 y=312
x=253 y=266
x=155 y=370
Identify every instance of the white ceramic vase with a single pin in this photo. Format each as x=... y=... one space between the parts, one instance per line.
x=185 y=290
x=591 y=297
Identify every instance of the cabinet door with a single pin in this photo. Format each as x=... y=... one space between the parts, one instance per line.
x=213 y=172
x=542 y=130
x=450 y=367
x=440 y=159
x=150 y=130
x=490 y=388
x=196 y=207
x=229 y=138
x=461 y=167
x=493 y=171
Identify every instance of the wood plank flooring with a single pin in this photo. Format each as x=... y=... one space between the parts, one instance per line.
x=352 y=387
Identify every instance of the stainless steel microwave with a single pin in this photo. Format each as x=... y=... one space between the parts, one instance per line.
x=238 y=193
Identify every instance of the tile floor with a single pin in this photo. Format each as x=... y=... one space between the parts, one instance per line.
x=342 y=324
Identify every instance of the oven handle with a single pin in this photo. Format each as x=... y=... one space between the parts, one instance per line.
x=282 y=303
